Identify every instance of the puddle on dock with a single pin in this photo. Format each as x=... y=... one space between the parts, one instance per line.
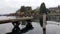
x=50 y=28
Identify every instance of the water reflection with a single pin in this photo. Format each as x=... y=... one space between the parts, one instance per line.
x=17 y=30
x=26 y=29
x=51 y=28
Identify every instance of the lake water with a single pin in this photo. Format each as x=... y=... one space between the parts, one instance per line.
x=52 y=27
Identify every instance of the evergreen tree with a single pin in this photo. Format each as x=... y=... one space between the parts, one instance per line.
x=43 y=8
x=23 y=9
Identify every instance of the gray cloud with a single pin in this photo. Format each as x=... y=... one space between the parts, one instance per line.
x=10 y=6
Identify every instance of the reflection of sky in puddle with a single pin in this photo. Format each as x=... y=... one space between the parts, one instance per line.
x=51 y=28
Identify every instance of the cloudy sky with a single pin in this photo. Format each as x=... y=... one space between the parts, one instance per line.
x=10 y=6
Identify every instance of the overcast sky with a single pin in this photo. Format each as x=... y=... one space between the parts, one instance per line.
x=10 y=6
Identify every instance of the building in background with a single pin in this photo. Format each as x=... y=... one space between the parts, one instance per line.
x=55 y=9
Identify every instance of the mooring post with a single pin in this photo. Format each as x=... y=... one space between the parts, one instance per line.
x=44 y=23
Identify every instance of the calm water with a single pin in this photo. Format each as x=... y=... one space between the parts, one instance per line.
x=51 y=28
